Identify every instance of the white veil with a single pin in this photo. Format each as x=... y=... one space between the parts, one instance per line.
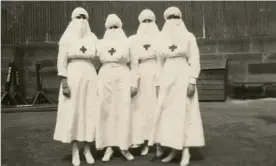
x=73 y=30
x=174 y=27
x=114 y=34
x=147 y=28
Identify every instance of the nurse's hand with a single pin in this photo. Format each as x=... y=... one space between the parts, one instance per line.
x=157 y=90
x=134 y=91
x=191 y=90
x=65 y=88
x=66 y=91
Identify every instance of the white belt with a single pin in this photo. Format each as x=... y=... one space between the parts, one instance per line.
x=147 y=60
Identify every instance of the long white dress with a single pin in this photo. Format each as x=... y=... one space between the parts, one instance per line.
x=76 y=115
x=144 y=68
x=114 y=91
x=178 y=122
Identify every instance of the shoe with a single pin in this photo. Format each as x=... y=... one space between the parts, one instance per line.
x=159 y=152
x=170 y=157
x=108 y=154
x=145 y=151
x=88 y=156
x=75 y=157
x=128 y=156
x=185 y=159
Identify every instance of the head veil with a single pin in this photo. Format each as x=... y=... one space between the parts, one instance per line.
x=72 y=32
x=147 y=28
x=114 y=34
x=174 y=27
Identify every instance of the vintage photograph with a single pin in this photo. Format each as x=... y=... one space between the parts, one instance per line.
x=130 y=83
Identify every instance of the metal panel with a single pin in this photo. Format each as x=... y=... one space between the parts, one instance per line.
x=262 y=68
x=43 y=21
x=210 y=15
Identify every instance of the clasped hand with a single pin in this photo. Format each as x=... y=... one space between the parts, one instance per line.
x=134 y=91
x=191 y=90
x=65 y=88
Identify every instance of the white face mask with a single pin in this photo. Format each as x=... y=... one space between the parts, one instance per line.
x=148 y=28
x=174 y=22
x=80 y=26
x=114 y=34
x=113 y=31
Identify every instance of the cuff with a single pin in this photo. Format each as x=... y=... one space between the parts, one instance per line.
x=63 y=74
x=157 y=83
x=157 y=80
x=192 y=80
x=135 y=82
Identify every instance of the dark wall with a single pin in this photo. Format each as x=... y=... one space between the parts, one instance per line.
x=25 y=58
x=243 y=32
x=239 y=52
x=33 y=21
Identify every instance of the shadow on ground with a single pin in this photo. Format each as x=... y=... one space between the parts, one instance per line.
x=237 y=134
x=268 y=119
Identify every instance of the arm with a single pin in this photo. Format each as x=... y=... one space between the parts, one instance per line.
x=159 y=66
x=160 y=59
x=62 y=62
x=134 y=66
x=193 y=60
x=127 y=57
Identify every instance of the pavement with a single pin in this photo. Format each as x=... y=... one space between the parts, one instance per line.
x=237 y=133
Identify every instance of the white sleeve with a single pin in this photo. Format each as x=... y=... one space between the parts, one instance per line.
x=128 y=56
x=160 y=62
x=62 y=61
x=134 y=65
x=193 y=60
x=160 y=58
x=95 y=45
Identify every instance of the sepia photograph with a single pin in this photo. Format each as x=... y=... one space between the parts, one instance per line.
x=130 y=83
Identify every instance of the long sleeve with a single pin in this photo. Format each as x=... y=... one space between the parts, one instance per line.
x=160 y=58
x=62 y=61
x=134 y=65
x=159 y=66
x=194 y=60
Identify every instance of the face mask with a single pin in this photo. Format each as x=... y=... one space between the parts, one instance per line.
x=148 y=28
x=80 y=26
x=174 y=22
x=113 y=30
x=114 y=34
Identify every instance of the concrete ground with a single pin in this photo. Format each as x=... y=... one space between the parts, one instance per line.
x=238 y=133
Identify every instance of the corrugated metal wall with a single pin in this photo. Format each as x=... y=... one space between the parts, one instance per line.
x=36 y=22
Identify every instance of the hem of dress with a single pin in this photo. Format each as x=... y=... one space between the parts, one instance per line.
x=70 y=141
x=121 y=148
x=181 y=148
x=137 y=143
